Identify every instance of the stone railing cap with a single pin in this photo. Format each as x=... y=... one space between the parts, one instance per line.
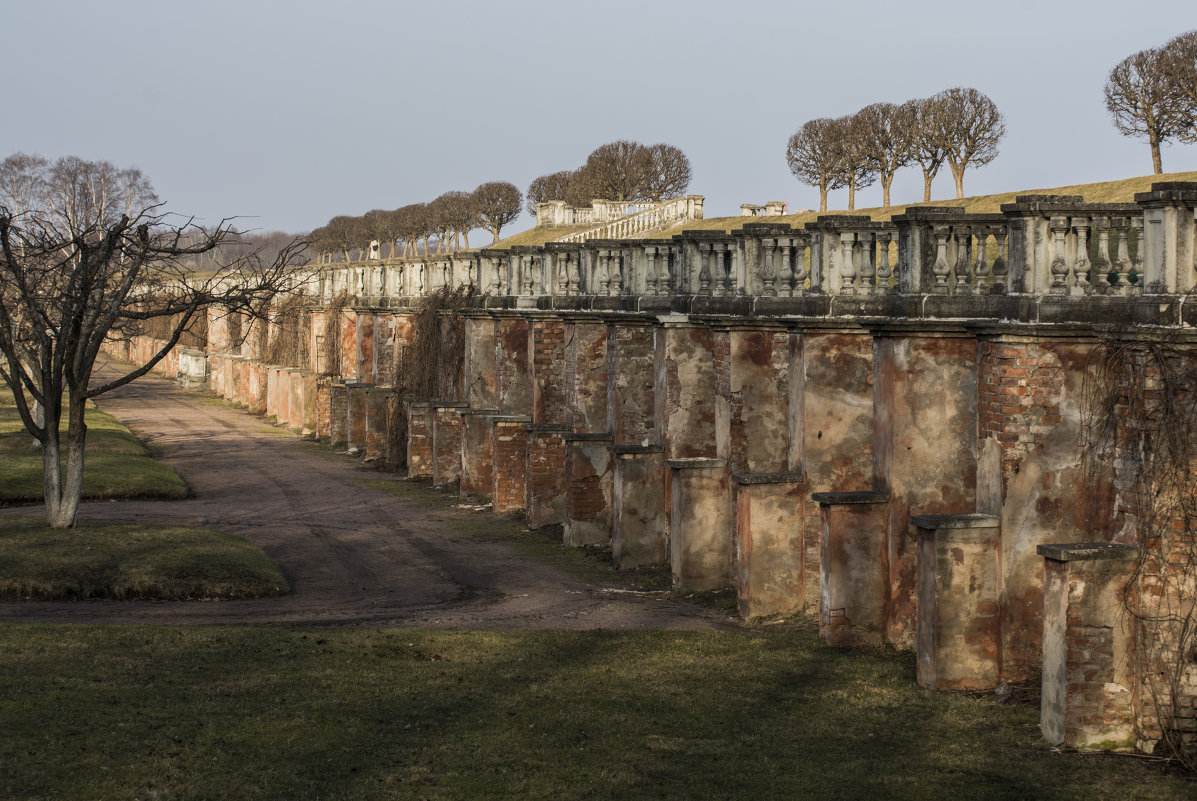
x=840 y=498
x=748 y=479
x=696 y=463
x=974 y=520
x=488 y=412
x=589 y=436
x=547 y=427
x=635 y=450
x=510 y=418
x=447 y=404
x=1075 y=551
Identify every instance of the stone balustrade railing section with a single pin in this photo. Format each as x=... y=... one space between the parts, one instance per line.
x=1040 y=246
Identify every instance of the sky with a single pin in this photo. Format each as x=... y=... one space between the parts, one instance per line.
x=285 y=114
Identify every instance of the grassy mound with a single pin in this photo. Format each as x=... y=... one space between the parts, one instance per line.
x=125 y=561
x=117 y=464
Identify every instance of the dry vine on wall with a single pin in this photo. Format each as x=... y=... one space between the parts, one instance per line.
x=431 y=365
x=1142 y=408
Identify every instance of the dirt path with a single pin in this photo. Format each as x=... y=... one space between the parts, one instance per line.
x=353 y=555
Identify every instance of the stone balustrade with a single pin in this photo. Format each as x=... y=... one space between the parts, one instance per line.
x=1029 y=262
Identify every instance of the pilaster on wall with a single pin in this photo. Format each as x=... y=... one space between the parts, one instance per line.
x=477 y=451
x=959 y=625
x=831 y=405
x=769 y=555
x=688 y=356
x=586 y=372
x=854 y=568
x=700 y=529
x=925 y=449
x=1031 y=394
x=588 y=489
x=546 y=344
x=630 y=381
x=510 y=460
x=1087 y=699
x=338 y=413
x=479 y=366
x=513 y=376
x=640 y=528
x=377 y=433
x=546 y=473
x=419 y=438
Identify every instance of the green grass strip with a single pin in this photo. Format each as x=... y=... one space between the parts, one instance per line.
x=262 y=713
x=120 y=561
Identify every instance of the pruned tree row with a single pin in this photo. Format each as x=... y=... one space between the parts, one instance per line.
x=1152 y=95
x=448 y=219
x=621 y=170
x=960 y=126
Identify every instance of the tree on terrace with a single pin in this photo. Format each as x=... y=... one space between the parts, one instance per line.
x=882 y=138
x=1146 y=100
x=969 y=126
x=1181 y=68
x=619 y=170
x=497 y=203
x=815 y=155
x=926 y=145
x=856 y=169
x=554 y=186
x=93 y=255
x=667 y=174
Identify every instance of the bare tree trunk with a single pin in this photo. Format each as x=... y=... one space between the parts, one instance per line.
x=823 y=198
x=851 y=196
x=885 y=184
x=1157 y=163
x=927 y=178
x=958 y=175
x=466 y=235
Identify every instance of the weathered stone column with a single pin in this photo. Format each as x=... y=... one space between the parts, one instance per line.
x=446 y=441
x=477 y=452
x=338 y=414
x=546 y=473
x=768 y=542
x=323 y=407
x=854 y=580
x=588 y=488
x=700 y=531
x=640 y=535
x=959 y=626
x=358 y=405
x=510 y=463
x=377 y=423
x=1087 y=646
x=419 y=438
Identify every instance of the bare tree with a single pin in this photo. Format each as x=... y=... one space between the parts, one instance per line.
x=454 y=215
x=497 y=203
x=554 y=186
x=1180 y=57
x=667 y=174
x=816 y=156
x=882 y=136
x=970 y=126
x=856 y=170
x=95 y=255
x=1144 y=103
x=927 y=147
x=619 y=170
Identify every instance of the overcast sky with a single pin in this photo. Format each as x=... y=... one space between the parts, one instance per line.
x=289 y=113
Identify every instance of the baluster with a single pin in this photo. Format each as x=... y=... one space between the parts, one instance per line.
x=665 y=277
x=532 y=277
x=884 y=271
x=1001 y=267
x=768 y=271
x=616 y=265
x=941 y=268
x=1059 y=228
x=1081 y=265
x=650 y=270
x=868 y=263
x=1124 y=263
x=724 y=265
x=786 y=273
x=981 y=265
x=604 y=276
x=704 y=271
x=573 y=276
x=1137 y=225
x=1101 y=266
x=962 y=266
x=420 y=280
x=847 y=264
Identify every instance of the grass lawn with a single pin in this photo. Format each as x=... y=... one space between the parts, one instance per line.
x=274 y=713
x=116 y=561
x=117 y=465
